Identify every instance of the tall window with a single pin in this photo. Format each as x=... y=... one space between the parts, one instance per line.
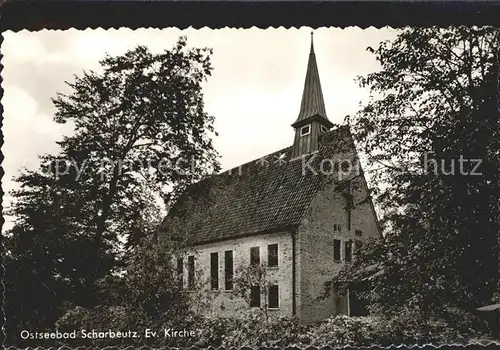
x=273 y=302
x=348 y=251
x=255 y=255
x=255 y=296
x=214 y=271
x=228 y=270
x=336 y=250
x=191 y=271
x=272 y=255
x=180 y=272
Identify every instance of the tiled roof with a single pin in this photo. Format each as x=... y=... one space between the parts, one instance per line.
x=264 y=195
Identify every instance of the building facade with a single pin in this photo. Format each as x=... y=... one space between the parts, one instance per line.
x=301 y=212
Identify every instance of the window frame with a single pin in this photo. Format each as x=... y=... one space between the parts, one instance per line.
x=180 y=272
x=228 y=277
x=276 y=255
x=323 y=129
x=253 y=249
x=214 y=280
x=308 y=127
x=348 y=247
x=191 y=271
x=252 y=289
x=277 y=297
x=339 y=250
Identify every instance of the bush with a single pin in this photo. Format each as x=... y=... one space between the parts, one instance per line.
x=254 y=329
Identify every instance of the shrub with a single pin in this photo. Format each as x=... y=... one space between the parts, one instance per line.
x=254 y=329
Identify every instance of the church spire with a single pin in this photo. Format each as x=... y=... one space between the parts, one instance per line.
x=312 y=120
x=312 y=43
x=312 y=105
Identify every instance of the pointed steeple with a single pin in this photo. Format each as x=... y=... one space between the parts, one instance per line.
x=312 y=120
x=312 y=105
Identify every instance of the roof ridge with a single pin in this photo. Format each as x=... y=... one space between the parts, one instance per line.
x=253 y=161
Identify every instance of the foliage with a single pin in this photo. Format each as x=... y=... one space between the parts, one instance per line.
x=436 y=104
x=253 y=275
x=147 y=295
x=254 y=329
x=140 y=136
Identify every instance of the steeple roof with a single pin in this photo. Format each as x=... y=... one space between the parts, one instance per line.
x=313 y=104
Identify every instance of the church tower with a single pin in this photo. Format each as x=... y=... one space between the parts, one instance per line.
x=312 y=120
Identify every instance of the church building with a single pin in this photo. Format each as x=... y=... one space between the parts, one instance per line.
x=301 y=212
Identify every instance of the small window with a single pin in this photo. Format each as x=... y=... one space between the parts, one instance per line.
x=273 y=302
x=191 y=272
x=336 y=250
x=228 y=270
x=324 y=129
x=337 y=227
x=214 y=271
x=358 y=233
x=255 y=256
x=305 y=130
x=348 y=251
x=255 y=296
x=180 y=272
x=272 y=255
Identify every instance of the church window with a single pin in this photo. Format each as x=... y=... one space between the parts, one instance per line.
x=191 y=271
x=273 y=302
x=228 y=270
x=348 y=251
x=305 y=130
x=255 y=256
x=214 y=271
x=337 y=227
x=336 y=250
x=180 y=272
x=272 y=255
x=255 y=296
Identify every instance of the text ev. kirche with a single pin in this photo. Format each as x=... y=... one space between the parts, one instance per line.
x=111 y=334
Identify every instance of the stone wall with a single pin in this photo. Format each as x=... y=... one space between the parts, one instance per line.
x=315 y=241
x=223 y=302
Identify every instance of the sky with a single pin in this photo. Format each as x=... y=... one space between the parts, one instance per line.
x=254 y=92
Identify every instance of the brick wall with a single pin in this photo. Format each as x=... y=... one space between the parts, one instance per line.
x=223 y=302
x=315 y=240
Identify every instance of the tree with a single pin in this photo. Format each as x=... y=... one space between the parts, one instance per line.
x=252 y=276
x=435 y=109
x=140 y=136
x=146 y=295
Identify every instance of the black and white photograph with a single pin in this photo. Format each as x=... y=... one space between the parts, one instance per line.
x=251 y=187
